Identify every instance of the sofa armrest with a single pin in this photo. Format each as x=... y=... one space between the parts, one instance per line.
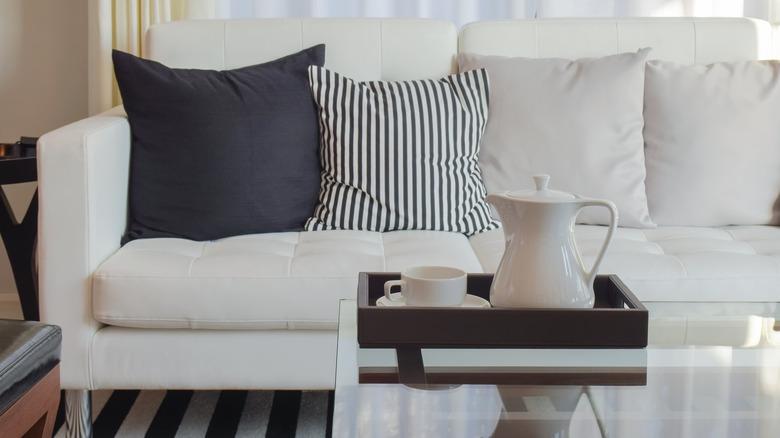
x=83 y=173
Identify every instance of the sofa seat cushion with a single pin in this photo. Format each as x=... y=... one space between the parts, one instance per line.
x=736 y=263
x=260 y=281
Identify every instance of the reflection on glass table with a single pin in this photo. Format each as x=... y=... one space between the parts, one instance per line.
x=710 y=370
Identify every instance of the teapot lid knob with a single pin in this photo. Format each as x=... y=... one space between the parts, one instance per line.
x=541 y=193
x=541 y=181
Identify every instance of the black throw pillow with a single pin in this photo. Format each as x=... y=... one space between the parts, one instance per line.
x=220 y=153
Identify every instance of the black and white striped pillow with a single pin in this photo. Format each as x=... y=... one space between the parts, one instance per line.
x=401 y=155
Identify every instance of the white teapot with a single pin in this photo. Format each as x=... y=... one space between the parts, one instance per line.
x=541 y=266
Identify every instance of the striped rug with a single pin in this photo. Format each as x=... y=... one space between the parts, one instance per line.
x=210 y=414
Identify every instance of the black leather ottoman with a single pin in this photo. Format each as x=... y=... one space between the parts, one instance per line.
x=29 y=378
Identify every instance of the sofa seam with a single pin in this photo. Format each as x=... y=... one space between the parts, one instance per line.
x=192 y=260
x=695 y=25
x=536 y=35
x=301 y=33
x=224 y=45
x=384 y=252
x=235 y=277
x=382 y=49
x=617 y=38
x=148 y=318
x=294 y=255
x=87 y=262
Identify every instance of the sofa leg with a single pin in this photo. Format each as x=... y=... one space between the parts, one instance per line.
x=78 y=413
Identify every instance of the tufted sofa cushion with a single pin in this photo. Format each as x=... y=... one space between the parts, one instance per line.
x=259 y=281
x=739 y=263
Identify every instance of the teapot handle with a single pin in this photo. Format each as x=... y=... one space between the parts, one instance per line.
x=613 y=221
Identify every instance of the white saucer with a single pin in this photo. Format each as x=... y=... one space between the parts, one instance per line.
x=470 y=301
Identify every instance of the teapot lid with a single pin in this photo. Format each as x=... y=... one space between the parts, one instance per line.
x=542 y=193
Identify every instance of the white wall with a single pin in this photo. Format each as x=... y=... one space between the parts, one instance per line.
x=43 y=81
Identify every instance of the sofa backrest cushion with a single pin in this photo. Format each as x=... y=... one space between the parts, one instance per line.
x=682 y=40
x=686 y=42
x=363 y=49
x=205 y=170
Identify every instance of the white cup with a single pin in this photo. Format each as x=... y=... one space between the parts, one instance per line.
x=430 y=286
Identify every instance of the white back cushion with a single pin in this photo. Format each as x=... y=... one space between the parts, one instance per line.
x=712 y=142
x=578 y=121
x=682 y=40
x=365 y=49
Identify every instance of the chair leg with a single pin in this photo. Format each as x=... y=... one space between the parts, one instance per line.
x=78 y=413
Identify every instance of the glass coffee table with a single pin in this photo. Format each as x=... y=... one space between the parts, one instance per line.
x=710 y=370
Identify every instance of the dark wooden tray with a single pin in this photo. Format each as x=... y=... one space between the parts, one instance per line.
x=618 y=320
x=548 y=376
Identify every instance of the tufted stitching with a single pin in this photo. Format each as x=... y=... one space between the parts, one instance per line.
x=384 y=251
x=193 y=259
x=294 y=254
x=302 y=33
x=382 y=50
x=286 y=253
x=536 y=32
x=210 y=320
x=695 y=43
x=617 y=37
x=224 y=45
x=225 y=277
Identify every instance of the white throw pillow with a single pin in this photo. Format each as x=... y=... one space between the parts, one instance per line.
x=401 y=155
x=578 y=121
x=712 y=137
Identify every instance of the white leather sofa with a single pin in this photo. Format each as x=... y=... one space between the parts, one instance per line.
x=260 y=311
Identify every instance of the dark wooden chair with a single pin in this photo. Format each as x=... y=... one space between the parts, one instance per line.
x=29 y=378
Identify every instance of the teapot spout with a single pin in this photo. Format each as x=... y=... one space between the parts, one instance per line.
x=491 y=199
x=503 y=204
x=496 y=200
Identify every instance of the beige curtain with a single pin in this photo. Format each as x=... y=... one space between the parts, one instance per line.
x=121 y=24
